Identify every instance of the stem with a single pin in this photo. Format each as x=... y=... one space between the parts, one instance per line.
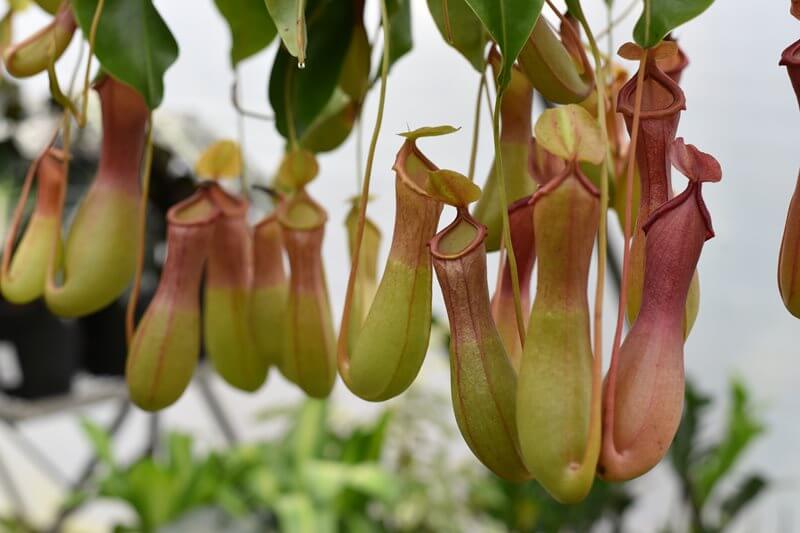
x=287 y=102
x=246 y=112
x=623 y=293
x=98 y=11
x=130 y=311
x=343 y=356
x=602 y=231
x=476 y=129
x=509 y=246
x=595 y=422
x=66 y=141
x=620 y=18
x=359 y=148
x=243 y=182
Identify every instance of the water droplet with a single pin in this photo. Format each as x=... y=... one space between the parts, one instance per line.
x=301 y=64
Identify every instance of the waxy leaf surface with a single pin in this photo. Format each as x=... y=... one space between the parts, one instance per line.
x=302 y=94
x=660 y=17
x=510 y=23
x=133 y=43
x=251 y=27
x=464 y=30
x=288 y=18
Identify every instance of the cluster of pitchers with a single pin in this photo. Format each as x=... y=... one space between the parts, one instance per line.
x=530 y=404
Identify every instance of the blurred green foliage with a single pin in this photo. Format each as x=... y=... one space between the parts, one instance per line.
x=398 y=473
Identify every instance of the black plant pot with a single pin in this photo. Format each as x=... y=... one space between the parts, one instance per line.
x=47 y=349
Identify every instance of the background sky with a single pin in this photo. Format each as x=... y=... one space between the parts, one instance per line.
x=740 y=107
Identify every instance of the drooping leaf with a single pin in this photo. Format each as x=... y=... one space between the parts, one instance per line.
x=133 y=43
x=223 y=159
x=289 y=19
x=251 y=27
x=660 y=17
x=304 y=93
x=333 y=124
x=463 y=31
x=400 y=37
x=570 y=132
x=510 y=23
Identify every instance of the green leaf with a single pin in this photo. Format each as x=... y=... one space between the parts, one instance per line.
x=289 y=19
x=133 y=44
x=296 y=514
x=683 y=450
x=308 y=433
x=660 y=17
x=400 y=37
x=251 y=27
x=747 y=491
x=304 y=93
x=510 y=23
x=101 y=442
x=464 y=32
x=742 y=429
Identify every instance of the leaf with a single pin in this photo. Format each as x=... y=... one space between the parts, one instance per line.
x=747 y=491
x=660 y=17
x=251 y=27
x=452 y=188
x=333 y=124
x=296 y=513
x=400 y=37
x=133 y=43
x=742 y=429
x=304 y=93
x=466 y=33
x=289 y=19
x=428 y=131
x=510 y=23
x=306 y=437
x=101 y=442
x=683 y=449
x=223 y=159
x=571 y=133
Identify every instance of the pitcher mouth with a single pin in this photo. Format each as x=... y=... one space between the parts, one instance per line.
x=791 y=55
x=441 y=248
x=197 y=210
x=626 y=98
x=414 y=181
x=301 y=213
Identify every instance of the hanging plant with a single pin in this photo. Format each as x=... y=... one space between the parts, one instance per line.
x=166 y=344
x=644 y=390
x=483 y=380
x=393 y=339
x=99 y=260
